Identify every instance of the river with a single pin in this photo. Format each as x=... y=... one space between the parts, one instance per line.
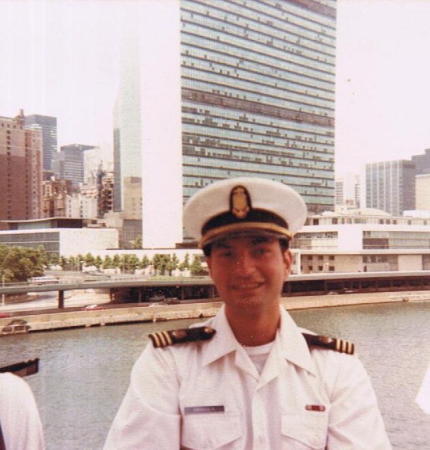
x=84 y=372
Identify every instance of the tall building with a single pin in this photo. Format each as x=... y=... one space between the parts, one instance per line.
x=348 y=191
x=422 y=162
x=127 y=130
x=54 y=197
x=229 y=88
x=258 y=88
x=390 y=186
x=48 y=126
x=105 y=192
x=20 y=170
x=68 y=163
x=422 y=192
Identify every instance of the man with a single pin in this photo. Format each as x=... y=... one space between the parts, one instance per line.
x=20 y=425
x=249 y=379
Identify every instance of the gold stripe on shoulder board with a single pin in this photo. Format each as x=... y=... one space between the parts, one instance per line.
x=168 y=338
x=155 y=340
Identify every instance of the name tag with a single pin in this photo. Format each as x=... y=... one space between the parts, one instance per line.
x=320 y=408
x=203 y=409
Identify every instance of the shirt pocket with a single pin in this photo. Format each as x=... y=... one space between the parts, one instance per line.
x=304 y=430
x=210 y=431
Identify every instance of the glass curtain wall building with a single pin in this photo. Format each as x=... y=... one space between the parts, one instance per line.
x=48 y=126
x=258 y=88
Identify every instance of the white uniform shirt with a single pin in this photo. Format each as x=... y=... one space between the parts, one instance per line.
x=19 y=417
x=203 y=396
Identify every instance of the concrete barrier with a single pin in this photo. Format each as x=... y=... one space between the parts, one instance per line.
x=106 y=316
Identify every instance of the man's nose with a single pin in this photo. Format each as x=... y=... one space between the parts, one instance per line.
x=244 y=264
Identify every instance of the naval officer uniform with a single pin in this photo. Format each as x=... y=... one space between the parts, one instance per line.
x=202 y=389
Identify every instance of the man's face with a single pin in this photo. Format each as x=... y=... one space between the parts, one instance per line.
x=249 y=272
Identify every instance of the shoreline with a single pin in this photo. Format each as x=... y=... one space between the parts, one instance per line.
x=51 y=321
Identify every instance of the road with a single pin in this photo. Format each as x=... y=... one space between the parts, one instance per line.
x=49 y=300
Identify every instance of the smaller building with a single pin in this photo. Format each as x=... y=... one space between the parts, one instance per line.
x=59 y=235
x=68 y=163
x=390 y=186
x=361 y=241
x=422 y=191
x=54 y=197
x=20 y=169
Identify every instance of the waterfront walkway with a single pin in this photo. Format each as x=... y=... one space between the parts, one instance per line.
x=105 y=315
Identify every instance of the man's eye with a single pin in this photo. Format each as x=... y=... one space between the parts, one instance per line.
x=261 y=251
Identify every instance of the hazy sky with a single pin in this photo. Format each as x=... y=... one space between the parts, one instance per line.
x=60 y=58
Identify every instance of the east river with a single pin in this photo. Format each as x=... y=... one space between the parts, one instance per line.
x=84 y=372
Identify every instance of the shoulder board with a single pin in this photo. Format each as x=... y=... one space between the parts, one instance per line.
x=165 y=338
x=22 y=369
x=338 y=345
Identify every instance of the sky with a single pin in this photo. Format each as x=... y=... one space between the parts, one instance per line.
x=60 y=58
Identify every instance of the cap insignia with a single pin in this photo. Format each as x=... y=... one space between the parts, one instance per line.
x=240 y=202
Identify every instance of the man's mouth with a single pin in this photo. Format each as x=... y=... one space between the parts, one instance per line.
x=248 y=286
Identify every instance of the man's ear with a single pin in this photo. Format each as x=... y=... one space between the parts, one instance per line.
x=288 y=260
x=209 y=263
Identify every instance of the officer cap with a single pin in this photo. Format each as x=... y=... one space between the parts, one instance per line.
x=243 y=205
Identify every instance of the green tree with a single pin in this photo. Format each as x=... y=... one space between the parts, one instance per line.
x=63 y=262
x=107 y=262
x=98 y=261
x=53 y=259
x=196 y=267
x=116 y=261
x=144 y=263
x=80 y=261
x=185 y=264
x=137 y=243
x=172 y=263
x=19 y=263
x=89 y=260
x=160 y=263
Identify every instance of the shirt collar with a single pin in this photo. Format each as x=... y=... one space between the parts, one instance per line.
x=293 y=345
x=223 y=342
x=289 y=340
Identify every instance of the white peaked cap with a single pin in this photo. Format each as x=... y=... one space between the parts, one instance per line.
x=243 y=204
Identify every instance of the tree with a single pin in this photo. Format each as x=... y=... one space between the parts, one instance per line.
x=172 y=263
x=89 y=260
x=185 y=264
x=98 y=261
x=160 y=263
x=53 y=259
x=196 y=266
x=137 y=243
x=19 y=263
x=63 y=262
x=107 y=262
x=116 y=261
x=145 y=262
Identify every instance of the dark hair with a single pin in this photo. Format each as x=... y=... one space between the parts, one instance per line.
x=284 y=243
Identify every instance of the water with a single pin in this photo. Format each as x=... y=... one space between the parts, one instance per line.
x=84 y=372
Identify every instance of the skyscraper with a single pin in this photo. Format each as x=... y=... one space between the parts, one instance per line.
x=68 y=163
x=20 y=170
x=390 y=186
x=256 y=98
x=258 y=94
x=127 y=122
x=422 y=162
x=48 y=126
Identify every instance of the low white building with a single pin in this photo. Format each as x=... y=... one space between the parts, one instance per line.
x=60 y=236
x=362 y=240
